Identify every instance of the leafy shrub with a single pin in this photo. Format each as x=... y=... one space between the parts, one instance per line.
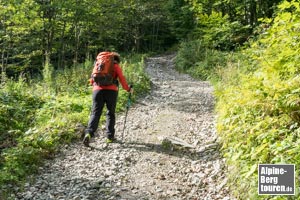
x=263 y=106
x=188 y=54
x=17 y=107
x=204 y=63
x=218 y=32
x=134 y=71
x=206 y=68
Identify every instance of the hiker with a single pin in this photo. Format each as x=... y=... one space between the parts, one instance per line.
x=106 y=95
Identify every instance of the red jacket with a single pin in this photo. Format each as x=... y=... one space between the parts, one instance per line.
x=118 y=74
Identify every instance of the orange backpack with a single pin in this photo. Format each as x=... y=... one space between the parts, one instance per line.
x=104 y=69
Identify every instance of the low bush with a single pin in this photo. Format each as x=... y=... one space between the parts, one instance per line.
x=258 y=116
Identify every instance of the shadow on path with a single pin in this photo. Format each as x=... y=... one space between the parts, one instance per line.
x=172 y=150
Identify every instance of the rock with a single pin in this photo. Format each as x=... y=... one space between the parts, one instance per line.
x=168 y=141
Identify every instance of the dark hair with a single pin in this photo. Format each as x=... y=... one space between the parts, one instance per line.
x=117 y=58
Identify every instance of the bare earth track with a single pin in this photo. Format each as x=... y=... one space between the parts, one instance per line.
x=146 y=165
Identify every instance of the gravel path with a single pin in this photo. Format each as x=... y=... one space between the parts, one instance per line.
x=147 y=165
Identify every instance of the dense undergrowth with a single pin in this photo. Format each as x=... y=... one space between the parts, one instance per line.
x=39 y=116
x=258 y=99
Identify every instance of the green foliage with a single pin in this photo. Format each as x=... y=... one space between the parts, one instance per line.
x=246 y=12
x=134 y=70
x=262 y=107
x=203 y=63
x=214 y=29
x=182 y=18
x=188 y=54
x=217 y=31
x=18 y=108
x=38 y=35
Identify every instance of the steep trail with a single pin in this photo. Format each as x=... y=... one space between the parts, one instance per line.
x=145 y=166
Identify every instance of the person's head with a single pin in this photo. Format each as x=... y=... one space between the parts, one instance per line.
x=116 y=57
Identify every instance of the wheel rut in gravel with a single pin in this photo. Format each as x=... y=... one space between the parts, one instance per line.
x=148 y=164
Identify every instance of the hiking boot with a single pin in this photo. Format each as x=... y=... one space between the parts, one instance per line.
x=86 y=139
x=110 y=140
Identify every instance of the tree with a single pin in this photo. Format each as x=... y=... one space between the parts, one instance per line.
x=19 y=44
x=36 y=34
x=182 y=18
x=235 y=22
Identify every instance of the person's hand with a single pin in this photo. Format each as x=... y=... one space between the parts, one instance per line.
x=90 y=81
x=131 y=89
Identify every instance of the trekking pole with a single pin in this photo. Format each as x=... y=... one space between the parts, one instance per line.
x=127 y=108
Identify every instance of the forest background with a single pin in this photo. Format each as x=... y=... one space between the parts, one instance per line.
x=248 y=49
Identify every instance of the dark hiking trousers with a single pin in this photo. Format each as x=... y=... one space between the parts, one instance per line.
x=101 y=98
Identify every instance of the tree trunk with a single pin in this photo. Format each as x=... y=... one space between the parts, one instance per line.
x=253 y=14
x=47 y=73
x=2 y=60
x=77 y=37
x=62 y=47
x=48 y=29
x=3 y=69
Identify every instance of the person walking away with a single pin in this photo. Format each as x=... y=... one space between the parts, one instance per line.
x=106 y=95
